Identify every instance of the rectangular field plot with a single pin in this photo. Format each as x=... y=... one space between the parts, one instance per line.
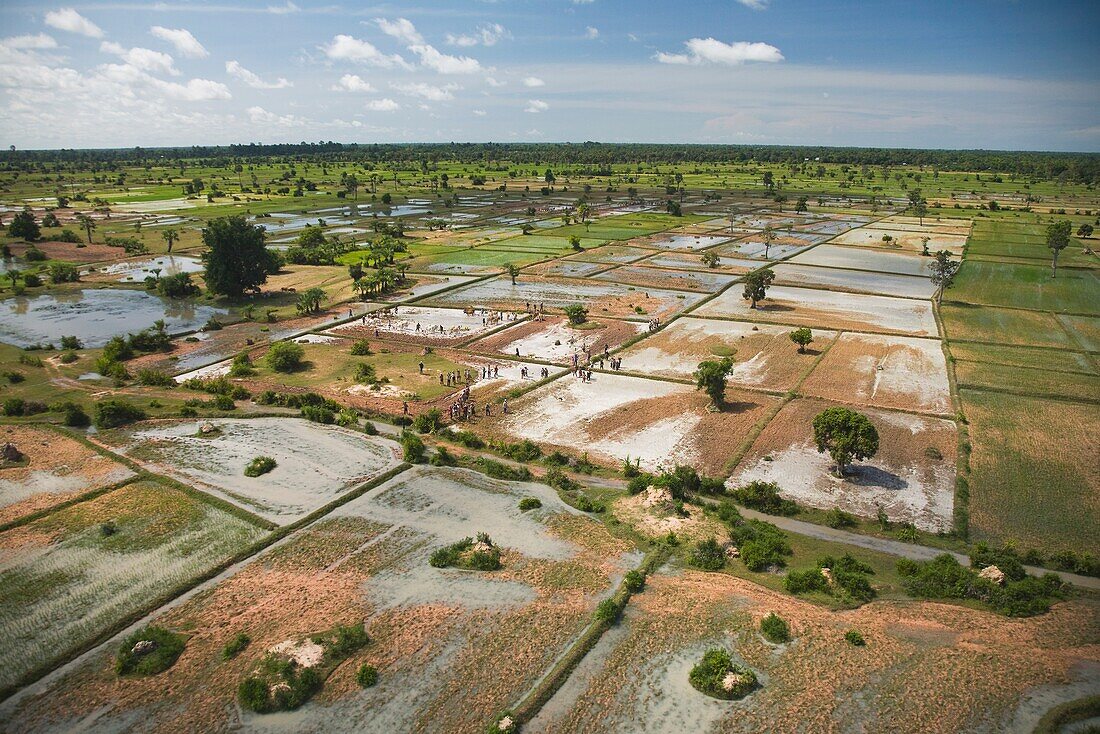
x=1085 y=330
x=451 y=647
x=57 y=468
x=316 y=463
x=670 y=241
x=567 y=268
x=545 y=243
x=651 y=277
x=828 y=309
x=601 y=299
x=856 y=281
x=1033 y=471
x=901 y=239
x=616 y=416
x=947 y=225
x=611 y=254
x=864 y=258
x=763 y=356
x=64 y=581
x=1028 y=380
x=692 y=261
x=1056 y=360
x=477 y=261
x=554 y=340
x=754 y=247
x=1003 y=326
x=420 y=324
x=903 y=477
x=883 y=371
x=1027 y=286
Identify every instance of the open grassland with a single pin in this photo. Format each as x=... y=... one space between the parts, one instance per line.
x=969 y=322
x=1075 y=290
x=73 y=574
x=1054 y=360
x=1029 y=381
x=1033 y=471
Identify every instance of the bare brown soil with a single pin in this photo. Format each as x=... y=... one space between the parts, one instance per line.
x=69 y=252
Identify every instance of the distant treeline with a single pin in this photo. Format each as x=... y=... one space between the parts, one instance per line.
x=594 y=158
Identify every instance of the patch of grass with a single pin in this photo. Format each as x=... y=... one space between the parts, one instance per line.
x=259 y=466
x=775 y=629
x=236 y=646
x=149 y=651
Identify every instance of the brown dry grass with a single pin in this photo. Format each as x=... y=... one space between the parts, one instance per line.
x=69 y=252
x=59 y=456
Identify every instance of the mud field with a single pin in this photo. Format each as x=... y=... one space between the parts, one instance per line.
x=422 y=325
x=883 y=284
x=554 y=340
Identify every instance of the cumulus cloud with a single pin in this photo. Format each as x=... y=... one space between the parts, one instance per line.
x=234 y=69
x=195 y=90
x=348 y=48
x=143 y=59
x=260 y=116
x=382 y=105
x=67 y=19
x=492 y=82
x=427 y=91
x=38 y=41
x=591 y=33
x=185 y=43
x=445 y=63
x=533 y=81
x=535 y=106
x=480 y=113
x=755 y=4
x=709 y=50
x=402 y=29
x=486 y=35
x=352 y=83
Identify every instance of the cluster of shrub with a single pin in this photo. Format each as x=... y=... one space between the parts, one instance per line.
x=944 y=577
x=120 y=349
x=72 y=414
x=850 y=580
x=313 y=407
x=710 y=674
x=760 y=545
x=468 y=553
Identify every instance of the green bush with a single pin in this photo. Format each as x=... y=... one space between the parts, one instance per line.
x=482 y=556
x=370 y=429
x=318 y=414
x=708 y=555
x=167 y=647
x=241 y=366
x=361 y=348
x=234 y=647
x=412 y=447
x=945 y=578
x=522 y=451
x=113 y=412
x=761 y=544
x=855 y=637
x=72 y=414
x=775 y=629
x=68 y=357
x=443 y=457
x=710 y=674
x=428 y=421
x=469 y=439
x=154 y=378
x=342 y=640
x=764 y=497
x=366 y=676
x=71 y=342
x=14 y=406
x=14 y=377
x=804 y=582
x=607 y=611
x=836 y=518
x=257 y=694
x=639 y=483
x=285 y=357
x=634 y=581
x=259 y=466
x=497 y=470
x=529 y=503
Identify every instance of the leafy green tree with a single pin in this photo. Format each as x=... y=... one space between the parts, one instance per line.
x=513 y=272
x=801 y=205
x=846 y=435
x=1085 y=230
x=24 y=226
x=769 y=239
x=285 y=356
x=171 y=236
x=802 y=337
x=756 y=285
x=575 y=243
x=576 y=313
x=310 y=301
x=87 y=223
x=236 y=260
x=673 y=208
x=918 y=204
x=1058 y=240
x=710 y=377
x=710 y=259
x=942 y=272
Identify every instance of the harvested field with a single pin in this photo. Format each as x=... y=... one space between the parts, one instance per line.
x=1032 y=481
x=606 y=299
x=58 y=468
x=71 y=252
x=452 y=647
x=651 y=277
x=555 y=340
x=316 y=463
x=862 y=258
x=421 y=324
x=615 y=416
x=885 y=284
x=63 y=580
x=905 y=680
x=908 y=240
x=567 y=268
x=903 y=478
x=1029 y=380
x=827 y=309
x=764 y=357
x=611 y=254
x=883 y=371
x=1085 y=330
x=947 y=225
x=686 y=261
x=671 y=241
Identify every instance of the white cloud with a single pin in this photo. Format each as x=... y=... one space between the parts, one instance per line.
x=486 y=35
x=535 y=106
x=709 y=50
x=39 y=41
x=583 y=2
x=755 y=4
x=348 y=48
x=185 y=43
x=352 y=83
x=494 y=82
x=480 y=113
x=234 y=69
x=533 y=81
x=445 y=63
x=195 y=90
x=67 y=19
x=382 y=105
x=261 y=116
x=427 y=91
x=591 y=33
x=143 y=59
x=284 y=9
x=402 y=29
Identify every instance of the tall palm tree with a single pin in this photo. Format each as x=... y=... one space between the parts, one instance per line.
x=87 y=223
x=171 y=236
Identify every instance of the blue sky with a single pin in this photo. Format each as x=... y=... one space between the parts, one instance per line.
x=952 y=74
